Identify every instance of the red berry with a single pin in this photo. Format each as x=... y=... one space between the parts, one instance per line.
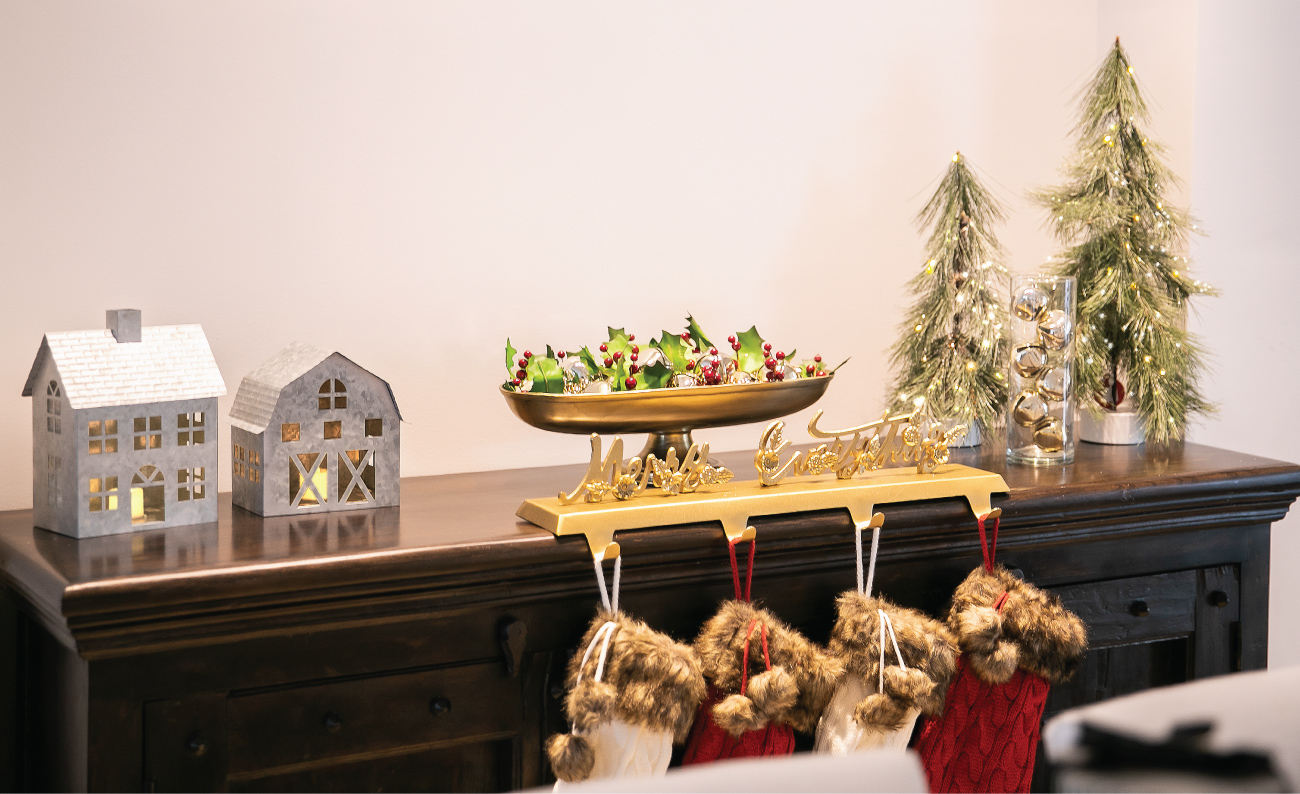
x=821 y=373
x=818 y=359
x=560 y=353
x=633 y=356
x=634 y=369
x=697 y=350
x=690 y=365
x=713 y=351
x=780 y=375
x=811 y=369
x=523 y=362
x=609 y=362
x=636 y=348
x=732 y=339
x=767 y=347
x=631 y=337
x=736 y=347
x=604 y=348
x=515 y=382
x=686 y=335
x=780 y=356
x=528 y=354
x=618 y=354
x=770 y=363
x=630 y=383
x=521 y=375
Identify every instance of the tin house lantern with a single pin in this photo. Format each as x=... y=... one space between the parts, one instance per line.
x=311 y=431
x=124 y=434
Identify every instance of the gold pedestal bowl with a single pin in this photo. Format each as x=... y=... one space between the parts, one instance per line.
x=668 y=415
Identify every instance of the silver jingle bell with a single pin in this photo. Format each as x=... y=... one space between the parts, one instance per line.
x=1050 y=435
x=576 y=369
x=1029 y=304
x=598 y=387
x=650 y=357
x=1052 y=385
x=736 y=378
x=1028 y=409
x=1054 y=329
x=1029 y=361
x=788 y=372
x=685 y=381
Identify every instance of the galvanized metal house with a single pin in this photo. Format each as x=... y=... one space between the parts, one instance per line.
x=124 y=433
x=311 y=431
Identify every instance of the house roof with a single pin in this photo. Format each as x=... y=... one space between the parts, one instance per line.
x=260 y=389
x=170 y=362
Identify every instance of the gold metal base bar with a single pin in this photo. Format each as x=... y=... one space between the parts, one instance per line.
x=735 y=503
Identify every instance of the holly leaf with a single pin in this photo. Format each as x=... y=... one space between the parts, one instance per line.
x=589 y=360
x=618 y=342
x=546 y=374
x=618 y=375
x=655 y=376
x=549 y=352
x=751 y=355
x=674 y=349
x=701 y=341
x=511 y=353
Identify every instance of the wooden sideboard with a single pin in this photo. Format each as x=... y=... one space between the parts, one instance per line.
x=421 y=647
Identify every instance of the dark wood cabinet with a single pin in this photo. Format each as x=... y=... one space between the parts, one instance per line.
x=422 y=647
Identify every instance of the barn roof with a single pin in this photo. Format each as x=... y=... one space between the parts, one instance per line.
x=170 y=362
x=260 y=389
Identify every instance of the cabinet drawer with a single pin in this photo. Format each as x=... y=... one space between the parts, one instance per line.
x=1142 y=608
x=371 y=716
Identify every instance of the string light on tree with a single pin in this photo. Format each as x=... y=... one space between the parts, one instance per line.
x=1135 y=304
x=952 y=346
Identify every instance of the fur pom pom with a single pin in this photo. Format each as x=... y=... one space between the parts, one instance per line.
x=979 y=629
x=998 y=666
x=774 y=693
x=737 y=715
x=572 y=758
x=880 y=711
x=907 y=686
x=591 y=704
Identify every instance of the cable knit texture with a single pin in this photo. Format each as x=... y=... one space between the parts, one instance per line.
x=1016 y=640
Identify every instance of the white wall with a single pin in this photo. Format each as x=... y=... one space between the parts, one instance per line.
x=412 y=182
x=1244 y=178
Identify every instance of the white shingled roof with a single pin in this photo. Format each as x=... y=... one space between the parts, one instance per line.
x=260 y=389
x=170 y=362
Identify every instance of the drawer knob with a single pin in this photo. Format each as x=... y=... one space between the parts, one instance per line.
x=1138 y=609
x=439 y=706
x=196 y=744
x=1218 y=599
x=332 y=722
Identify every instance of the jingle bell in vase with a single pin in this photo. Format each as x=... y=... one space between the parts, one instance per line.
x=1040 y=416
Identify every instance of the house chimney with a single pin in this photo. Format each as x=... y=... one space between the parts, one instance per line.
x=125 y=324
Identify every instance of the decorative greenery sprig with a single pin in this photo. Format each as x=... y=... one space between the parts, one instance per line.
x=1125 y=253
x=674 y=359
x=953 y=352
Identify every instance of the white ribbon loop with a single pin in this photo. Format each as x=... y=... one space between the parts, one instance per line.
x=885 y=621
x=610 y=606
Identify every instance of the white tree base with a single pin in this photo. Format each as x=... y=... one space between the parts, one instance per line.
x=1113 y=427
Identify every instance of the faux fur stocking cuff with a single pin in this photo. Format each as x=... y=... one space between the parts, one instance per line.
x=1032 y=630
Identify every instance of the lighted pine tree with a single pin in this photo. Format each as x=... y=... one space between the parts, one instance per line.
x=1126 y=256
x=953 y=349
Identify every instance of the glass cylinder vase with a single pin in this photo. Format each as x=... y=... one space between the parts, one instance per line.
x=1040 y=409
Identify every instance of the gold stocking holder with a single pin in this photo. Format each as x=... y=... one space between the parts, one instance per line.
x=655 y=493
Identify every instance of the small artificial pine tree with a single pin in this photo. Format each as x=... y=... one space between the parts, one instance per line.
x=1132 y=282
x=953 y=350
